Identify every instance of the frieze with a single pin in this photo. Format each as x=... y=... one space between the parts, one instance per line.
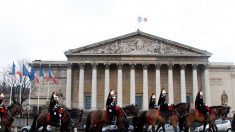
x=216 y=82
x=138 y=45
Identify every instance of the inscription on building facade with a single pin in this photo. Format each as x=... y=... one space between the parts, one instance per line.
x=216 y=82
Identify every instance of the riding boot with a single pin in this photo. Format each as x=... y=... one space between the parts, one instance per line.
x=114 y=121
x=207 y=116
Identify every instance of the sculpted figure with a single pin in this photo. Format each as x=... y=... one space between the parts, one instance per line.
x=224 y=98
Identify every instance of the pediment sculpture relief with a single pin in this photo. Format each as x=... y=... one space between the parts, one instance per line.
x=137 y=45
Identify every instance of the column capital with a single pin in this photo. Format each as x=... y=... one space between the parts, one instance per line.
x=145 y=66
x=195 y=66
x=119 y=66
x=182 y=66
x=81 y=65
x=158 y=66
x=170 y=66
x=132 y=66
x=94 y=65
x=107 y=65
x=206 y=66
x=69 y=65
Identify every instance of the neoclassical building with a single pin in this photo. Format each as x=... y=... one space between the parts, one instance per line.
x=137 y=64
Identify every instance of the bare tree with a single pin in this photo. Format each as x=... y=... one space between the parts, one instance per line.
x=17 y=86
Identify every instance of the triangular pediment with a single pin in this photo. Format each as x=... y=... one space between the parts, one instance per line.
x=138 y=43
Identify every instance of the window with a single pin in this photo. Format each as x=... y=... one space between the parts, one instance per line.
x=138 y=101
x=88 y=102
x=188 y=99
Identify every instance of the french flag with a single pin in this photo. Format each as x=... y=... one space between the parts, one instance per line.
x=51 y=76
x=142 y=19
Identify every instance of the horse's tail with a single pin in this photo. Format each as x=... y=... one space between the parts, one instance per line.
x=88 y=122
x=33 y=126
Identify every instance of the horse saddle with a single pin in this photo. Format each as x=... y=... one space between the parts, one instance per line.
x=165 y=113
x=199 y=113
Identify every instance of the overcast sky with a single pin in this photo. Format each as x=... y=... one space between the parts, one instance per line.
x=44 y=29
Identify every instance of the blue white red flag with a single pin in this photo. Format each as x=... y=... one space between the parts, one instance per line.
x=51 y=76
x=142 y=19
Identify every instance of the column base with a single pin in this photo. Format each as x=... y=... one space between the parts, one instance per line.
x=94 y=108
x=145 y=108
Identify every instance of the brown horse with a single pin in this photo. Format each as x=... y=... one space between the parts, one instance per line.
x=221 y=111
x=11 y=112
x=194 y=116
x=42 y=120
x=96 y=119
x=153 y=116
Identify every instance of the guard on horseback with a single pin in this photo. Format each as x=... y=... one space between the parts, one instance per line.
x=2 y=107
x=200 y=105
x=111 y=105
x=152 y=101
x=53 y=109
x=162 y=103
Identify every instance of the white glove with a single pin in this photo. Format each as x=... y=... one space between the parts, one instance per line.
x=110 y=110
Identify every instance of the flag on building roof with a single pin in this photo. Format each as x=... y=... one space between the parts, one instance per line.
x=142 y=19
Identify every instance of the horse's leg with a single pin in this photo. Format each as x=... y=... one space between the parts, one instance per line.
x=158 y=127
x=163 y=127
x=146 y=127
x=204 y=127
x=153 y=127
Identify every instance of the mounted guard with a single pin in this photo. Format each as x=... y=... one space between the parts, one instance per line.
x=152 y=101
x=111 y=105
x=53 y=109
x=200 y=105
x=162 y=103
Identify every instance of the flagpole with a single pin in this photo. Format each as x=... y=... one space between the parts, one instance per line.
x=20 y=89
x=48 y=90
x=38 y=98
x=11 y=95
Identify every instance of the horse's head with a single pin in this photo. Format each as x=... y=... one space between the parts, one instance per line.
x=15 y=109
x=131 y=110
x=225 y=112
x=182 y=107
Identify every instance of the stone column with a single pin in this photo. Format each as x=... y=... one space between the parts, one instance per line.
x=94 y=87
x=182 y=84
x=195 y=84
x=158 y=81
x=81 y=87
x=69 y=86
x=145 y=87
x=119 y=86
x=132 y=85
x=207 y=86
x=106 y=83
x=170 y=84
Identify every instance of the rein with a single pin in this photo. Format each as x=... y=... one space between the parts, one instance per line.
x=8 y=111
x=123 y=112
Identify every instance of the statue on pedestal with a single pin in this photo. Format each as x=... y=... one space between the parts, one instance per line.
x=224 y=98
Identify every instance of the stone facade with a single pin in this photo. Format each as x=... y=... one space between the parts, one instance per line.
x=135 y=65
